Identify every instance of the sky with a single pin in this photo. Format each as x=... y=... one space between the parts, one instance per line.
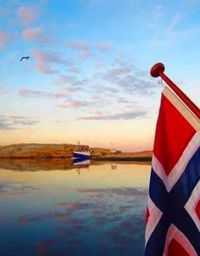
x=88 y=76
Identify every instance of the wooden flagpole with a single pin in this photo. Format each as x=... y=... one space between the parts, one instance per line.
x=158 y=70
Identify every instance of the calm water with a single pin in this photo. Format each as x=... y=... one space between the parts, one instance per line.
x=98 y=210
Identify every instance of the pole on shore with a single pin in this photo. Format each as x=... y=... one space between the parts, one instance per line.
x=158 y=70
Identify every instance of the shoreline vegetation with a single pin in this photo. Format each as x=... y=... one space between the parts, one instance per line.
x=64 y=151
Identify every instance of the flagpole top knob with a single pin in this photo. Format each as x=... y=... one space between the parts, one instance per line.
x=157 y=69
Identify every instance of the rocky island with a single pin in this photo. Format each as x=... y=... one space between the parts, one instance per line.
x=47 y=151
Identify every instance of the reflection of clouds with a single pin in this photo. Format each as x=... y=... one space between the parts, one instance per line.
x=48 y=247
x=65 y=215
x=76 y=229
x=2 y=221
x=75 y=205
x=124 y=208
x=64 y=231
x=62 y=216
x=107 y=219
x=128 y=235
x=117 y=191
x=15 y=188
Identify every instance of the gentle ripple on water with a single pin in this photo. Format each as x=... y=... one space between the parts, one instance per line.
x=91 y=211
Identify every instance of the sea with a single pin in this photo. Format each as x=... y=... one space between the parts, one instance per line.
x=93 y=208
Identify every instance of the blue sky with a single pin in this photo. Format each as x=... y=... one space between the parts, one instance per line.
x=88 y=76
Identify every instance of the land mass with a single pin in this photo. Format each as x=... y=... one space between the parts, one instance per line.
x=47 y=151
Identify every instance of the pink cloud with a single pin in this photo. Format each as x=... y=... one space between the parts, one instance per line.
x=27 y=13
x=72 y=83
x=75 y=104
x=50 y=57
x=42 y=94
x=63 y=79
x=35 y=34
x=104 y=46
x=123 y=100
x=83 y=48
x=44 y=60
x=95 y=97
x=42 y=67
x=83 y=54
x=78 y=44
x=3 y=38
x=73 y=69
x=72 y=89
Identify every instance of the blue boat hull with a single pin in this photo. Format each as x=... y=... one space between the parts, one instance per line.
x=81 y=155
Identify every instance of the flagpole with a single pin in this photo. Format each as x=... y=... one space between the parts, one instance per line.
x=158 y=70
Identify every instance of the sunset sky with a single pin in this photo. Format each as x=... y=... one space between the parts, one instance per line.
x=88 y=76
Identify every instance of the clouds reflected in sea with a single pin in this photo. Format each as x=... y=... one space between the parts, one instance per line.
x=98 y=211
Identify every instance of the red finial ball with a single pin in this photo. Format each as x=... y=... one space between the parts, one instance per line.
x=157 y=69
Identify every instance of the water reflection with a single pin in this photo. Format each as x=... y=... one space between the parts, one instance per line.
x=80 y=163
x=37 y=164
x=113 y=166
x=61 y=213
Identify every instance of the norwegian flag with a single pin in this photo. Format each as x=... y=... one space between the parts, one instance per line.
x=173 y=212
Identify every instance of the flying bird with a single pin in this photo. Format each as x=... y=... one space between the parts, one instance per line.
x=25 y=58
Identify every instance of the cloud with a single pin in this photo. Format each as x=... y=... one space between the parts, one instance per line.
x=117 y=116
x=104 y=46
x=50 y=57
x=44 y=68
x=72 y=81
x=27 y=14
x=15 y=122
x=73 y=69
x=129 y=78
x=104 y=89
x=83 y=54
x=35 y=35
x=82 y=47
x=123 y=100
x=44 y=60
x=79 y=45
x=64 y=79
x=3 y=38
x=76 y=104
x=60 y=121
x=42 y=94
x=95 y=97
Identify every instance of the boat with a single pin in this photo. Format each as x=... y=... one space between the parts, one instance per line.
x=81 y=153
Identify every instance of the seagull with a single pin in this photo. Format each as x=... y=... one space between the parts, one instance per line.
x=25 y=58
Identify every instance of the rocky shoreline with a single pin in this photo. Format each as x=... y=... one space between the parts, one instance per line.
x=34 y=150
x=64 y=151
